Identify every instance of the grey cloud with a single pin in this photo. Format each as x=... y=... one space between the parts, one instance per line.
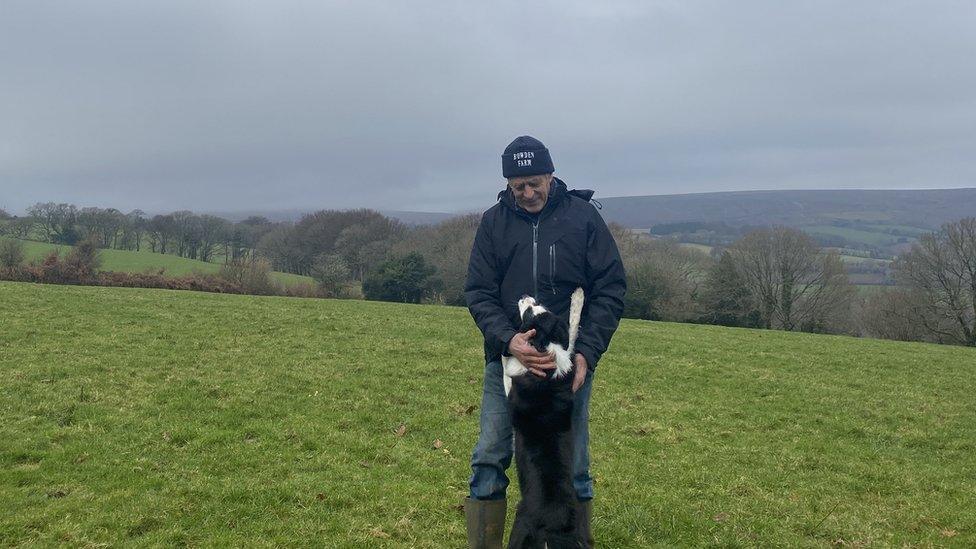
x=230 y=105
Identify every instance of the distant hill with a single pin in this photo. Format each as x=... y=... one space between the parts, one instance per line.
x=926 y=209
x=408 y=218
x=859 y=223
x=418 y=218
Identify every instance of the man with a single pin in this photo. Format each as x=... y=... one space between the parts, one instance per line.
x=543 y=240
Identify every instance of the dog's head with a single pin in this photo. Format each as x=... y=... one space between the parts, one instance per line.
x=548 y=327
x=528 y=305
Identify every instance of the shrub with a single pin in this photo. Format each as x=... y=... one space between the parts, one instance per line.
x=82 y=262
x=11 y=253
x=51 y=269
x=302 y=289
x=253 y=276
x=197 y=282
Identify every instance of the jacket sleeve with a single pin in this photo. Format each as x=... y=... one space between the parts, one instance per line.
x=604 y=302
x=482 y=292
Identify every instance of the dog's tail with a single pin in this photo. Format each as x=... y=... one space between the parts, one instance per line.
x=575 y=312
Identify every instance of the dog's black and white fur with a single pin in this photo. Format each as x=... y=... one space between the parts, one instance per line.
x=542 y=410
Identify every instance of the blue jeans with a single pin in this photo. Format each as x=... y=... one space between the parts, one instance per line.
x=493 y=453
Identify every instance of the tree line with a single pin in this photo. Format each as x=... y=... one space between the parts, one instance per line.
x=183 y=233
x=770 y=277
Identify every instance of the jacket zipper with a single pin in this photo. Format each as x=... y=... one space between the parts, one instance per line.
x=552 y=267
x=535 y=260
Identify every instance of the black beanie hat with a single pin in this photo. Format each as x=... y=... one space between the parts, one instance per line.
x=526 y=156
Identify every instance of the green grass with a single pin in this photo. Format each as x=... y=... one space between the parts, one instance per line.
x=865 y=290
x=130 y=261
x=152 y=417
x=700 y=247
x=850 y=259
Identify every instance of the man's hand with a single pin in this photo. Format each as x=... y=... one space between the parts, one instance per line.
x=536 y=362
x=579 y=372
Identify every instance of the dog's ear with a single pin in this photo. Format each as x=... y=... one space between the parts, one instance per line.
x=527 y=318
x=560 y=332
x=545 y=324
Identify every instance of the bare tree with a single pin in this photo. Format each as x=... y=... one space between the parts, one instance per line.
x=110 y=226
x=794 y=285
x=87 y=223
x=183 y=227
x=446 y=246
x=941 y=267
x=162 y=232
x=894 y=313
x=282 y=247
x=56 y=221
x=366 y=244
x=21 y=227
x=241 y=240
x=664 y=279
x=332 y=273
x=133 y=229
x=5 y=220
x=211 y=232
x=102 y=225
x=293 y=248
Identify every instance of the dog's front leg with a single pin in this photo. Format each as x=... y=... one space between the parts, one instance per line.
x=564 y=362
x=511 y=368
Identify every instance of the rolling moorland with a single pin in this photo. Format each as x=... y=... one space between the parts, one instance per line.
x=878 y=224
x=867 y=227
x=155 y=417
x=908 y=209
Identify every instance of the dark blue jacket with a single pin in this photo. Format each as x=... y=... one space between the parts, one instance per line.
x=568 y=246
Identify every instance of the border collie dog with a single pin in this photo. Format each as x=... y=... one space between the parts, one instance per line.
x=542 y=410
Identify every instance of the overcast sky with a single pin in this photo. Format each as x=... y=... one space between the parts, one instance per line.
x=407 y=105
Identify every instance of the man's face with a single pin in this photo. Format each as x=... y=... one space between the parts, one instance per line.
x=531 y=192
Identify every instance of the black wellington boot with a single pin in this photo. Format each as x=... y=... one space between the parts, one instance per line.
x=485 y=521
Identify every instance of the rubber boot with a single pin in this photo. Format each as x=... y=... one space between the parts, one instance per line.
x=486 y=522
x=584 y=515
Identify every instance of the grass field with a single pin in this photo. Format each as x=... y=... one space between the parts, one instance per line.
x=854 y=259
x=700 y=247
x=155 y=417
x=131 y=261
x=853 y=235
x=907 y=229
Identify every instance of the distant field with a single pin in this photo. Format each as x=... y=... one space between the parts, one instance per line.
x=701 y=247
x=860 y=215
x=914 y=231
x=867 y=260
x=136 y=262
x=866 y=289
x=135 y=417
x=853 y=235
